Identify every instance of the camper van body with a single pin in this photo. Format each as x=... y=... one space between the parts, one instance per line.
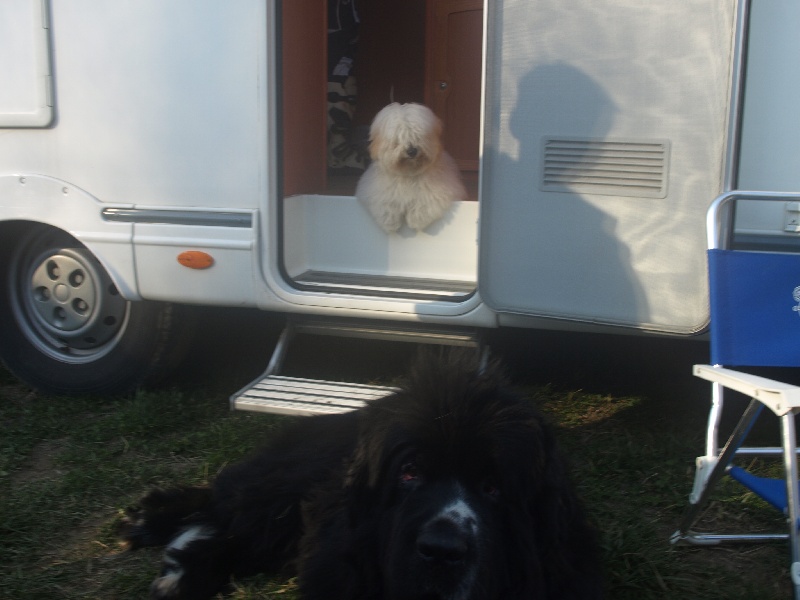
x=166 y=144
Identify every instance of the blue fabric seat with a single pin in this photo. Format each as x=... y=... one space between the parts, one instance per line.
x=755 y=308
x=771 y=489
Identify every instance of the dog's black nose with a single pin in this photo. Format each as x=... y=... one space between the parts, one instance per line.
x=412 y=151
x=443 y=542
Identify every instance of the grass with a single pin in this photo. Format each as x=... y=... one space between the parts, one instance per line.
x=68 y=467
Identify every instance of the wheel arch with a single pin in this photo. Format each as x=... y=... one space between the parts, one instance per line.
x=64 y=326
x=30 y=201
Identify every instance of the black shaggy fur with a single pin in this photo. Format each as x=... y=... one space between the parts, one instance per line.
x=450 y=489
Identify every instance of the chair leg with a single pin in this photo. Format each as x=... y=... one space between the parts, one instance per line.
x=699 y=497
x=792 y=492
x=705 y=464
x=714 y=417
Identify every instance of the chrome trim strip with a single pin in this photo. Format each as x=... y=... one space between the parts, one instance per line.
x=730 y=176
x=178 y=217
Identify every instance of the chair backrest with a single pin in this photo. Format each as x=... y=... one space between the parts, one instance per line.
x=754 y=295
x=755 y=308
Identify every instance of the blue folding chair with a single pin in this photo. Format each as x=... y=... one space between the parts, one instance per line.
x=755 y=322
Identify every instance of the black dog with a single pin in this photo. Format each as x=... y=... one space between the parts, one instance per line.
x=450 y=489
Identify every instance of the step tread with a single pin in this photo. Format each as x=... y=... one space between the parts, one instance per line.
x=293 y=395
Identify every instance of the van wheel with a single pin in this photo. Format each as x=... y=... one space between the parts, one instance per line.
x=65 y=329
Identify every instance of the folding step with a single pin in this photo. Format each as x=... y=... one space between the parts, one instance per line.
x=275 y=393
x=422 y=333
x=297 y=396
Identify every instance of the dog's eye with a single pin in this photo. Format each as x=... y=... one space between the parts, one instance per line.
x=490 y=489
x=409 y=473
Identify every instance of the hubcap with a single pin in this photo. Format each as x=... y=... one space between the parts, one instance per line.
x=64 y=298
x=68 y=306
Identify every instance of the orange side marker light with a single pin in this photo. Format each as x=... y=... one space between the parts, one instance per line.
x=195 y=259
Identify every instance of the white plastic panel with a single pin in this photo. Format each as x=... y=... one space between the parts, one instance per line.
x=160 y=103
x=25 y=82
x=228 y=281
x=336 y=234
x=642 y=72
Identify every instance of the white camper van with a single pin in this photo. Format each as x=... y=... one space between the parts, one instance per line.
x=160 y=153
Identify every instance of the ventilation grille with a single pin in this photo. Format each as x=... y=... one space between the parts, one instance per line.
x=617 y=168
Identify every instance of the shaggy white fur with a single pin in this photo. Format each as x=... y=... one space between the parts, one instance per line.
x=411 y=177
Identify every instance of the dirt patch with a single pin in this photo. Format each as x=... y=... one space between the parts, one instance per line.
x=40 y=463
x=83 y=541
x=14 y=393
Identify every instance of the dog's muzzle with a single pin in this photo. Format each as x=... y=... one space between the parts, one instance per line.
x=444 y=543
x=447 y=556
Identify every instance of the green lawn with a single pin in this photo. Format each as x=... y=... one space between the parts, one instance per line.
x=69 y=466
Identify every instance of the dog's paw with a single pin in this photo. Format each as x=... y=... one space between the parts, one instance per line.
x=389 y=222
x=166 y=586
x=420 y=216
x=419 y=224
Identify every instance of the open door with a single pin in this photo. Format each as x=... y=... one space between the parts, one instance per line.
x=605 y=142
x=342 y=61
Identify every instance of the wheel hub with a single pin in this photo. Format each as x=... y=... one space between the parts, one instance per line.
x=64 y=295
x=61 y=292
x=71 y=300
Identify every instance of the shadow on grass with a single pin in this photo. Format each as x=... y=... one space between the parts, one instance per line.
x=632 y=419
x=630 y=415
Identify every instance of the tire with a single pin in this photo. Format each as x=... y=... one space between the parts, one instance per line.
x=65 y=329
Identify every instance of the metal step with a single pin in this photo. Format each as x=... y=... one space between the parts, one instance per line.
x=296 y=396
x=274 y=393
x=420 y=333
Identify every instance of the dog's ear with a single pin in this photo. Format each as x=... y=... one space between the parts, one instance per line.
x=358 y=472
x=378 y=138
x=564 y=537
x=376 y=144
x=362 y=479
x=369 y=474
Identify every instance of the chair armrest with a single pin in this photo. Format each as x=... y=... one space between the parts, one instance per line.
x=781 y=398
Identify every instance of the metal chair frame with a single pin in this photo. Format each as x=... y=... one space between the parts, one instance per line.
x=781 y=398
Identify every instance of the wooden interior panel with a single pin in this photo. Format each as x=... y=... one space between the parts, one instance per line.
x=303 y=86
x=453 y=74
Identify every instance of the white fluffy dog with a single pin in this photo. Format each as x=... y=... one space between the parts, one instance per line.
x=411 y=177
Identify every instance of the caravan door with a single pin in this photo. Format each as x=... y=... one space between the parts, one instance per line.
x=606 y=135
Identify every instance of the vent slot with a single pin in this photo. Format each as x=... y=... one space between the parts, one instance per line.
x=611 y=167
